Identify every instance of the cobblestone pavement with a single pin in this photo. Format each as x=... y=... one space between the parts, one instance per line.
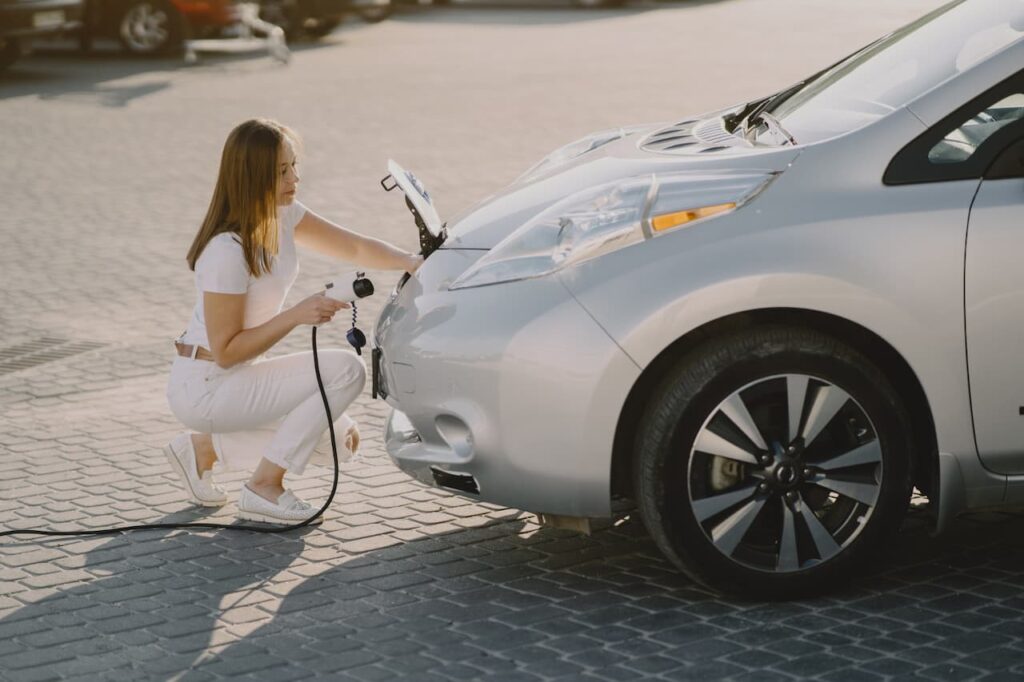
x=107 y=164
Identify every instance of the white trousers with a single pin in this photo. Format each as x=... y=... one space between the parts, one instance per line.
x=266 y=408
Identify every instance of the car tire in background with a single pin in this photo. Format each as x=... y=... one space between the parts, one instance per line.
x=590 y=4
x=322 y=28
x=148 y=27
x=300 y=19
x=747 y=499
x=10 y=51
x=376 y=13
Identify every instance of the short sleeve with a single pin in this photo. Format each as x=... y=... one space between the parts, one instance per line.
x=221 y=268
x=289 y=216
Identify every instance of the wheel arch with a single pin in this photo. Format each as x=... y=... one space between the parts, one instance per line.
x=924 y=458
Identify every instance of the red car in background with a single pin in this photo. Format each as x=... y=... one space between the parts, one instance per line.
x=155 y=26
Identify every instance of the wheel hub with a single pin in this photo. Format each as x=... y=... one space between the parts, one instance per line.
x=787 y=476
x=785 y=470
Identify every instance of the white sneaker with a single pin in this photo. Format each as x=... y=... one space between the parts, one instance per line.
x=287 y=509
x=200 y=489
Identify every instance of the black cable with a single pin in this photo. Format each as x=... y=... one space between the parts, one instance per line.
x=254 y=529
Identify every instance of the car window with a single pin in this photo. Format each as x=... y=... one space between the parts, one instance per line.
x=895 y=70
x=960 y=143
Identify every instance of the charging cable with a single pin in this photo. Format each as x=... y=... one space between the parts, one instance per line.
x=254 y=529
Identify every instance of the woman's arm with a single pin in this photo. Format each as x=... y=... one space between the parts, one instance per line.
x=333 y=240
x=230 y=344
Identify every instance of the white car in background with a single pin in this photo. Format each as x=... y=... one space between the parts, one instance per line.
x=764 y=325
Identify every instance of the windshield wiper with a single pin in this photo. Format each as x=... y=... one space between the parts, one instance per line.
x=773 y=125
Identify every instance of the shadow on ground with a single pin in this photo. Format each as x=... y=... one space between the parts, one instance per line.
x=509 y=600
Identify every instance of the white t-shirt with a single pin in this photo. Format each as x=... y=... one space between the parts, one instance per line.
x=221 y=269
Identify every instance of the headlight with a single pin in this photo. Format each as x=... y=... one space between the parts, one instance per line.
x=578 y=148
x=607 y=218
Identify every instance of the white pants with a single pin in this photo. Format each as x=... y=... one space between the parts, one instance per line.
x=266 y=408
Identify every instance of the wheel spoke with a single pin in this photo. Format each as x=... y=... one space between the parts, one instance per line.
x=827 y=402
x=713 y=444
x=869 y=453
x=823 y=540
x=707 y=507
x=728 y=533
x=796 y=393
x=736 y=410
x=865 y=493
x=788 y=556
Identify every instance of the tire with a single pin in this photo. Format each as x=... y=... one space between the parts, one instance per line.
x=149 y=27
x=323 y=28
x=376 y=13
x=291 y=18
x=741 y=506
x=10 y=51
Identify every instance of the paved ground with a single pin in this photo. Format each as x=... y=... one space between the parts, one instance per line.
x=107 y=164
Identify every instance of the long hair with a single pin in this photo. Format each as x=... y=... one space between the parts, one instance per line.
x=245 y=197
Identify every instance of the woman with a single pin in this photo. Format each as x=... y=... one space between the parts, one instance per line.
x=241 y=405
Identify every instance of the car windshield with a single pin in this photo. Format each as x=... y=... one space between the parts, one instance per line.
x=893 y=71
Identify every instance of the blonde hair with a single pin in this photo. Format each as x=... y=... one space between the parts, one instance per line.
x=245 y=197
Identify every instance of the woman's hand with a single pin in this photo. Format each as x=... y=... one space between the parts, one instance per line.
x=316 y=309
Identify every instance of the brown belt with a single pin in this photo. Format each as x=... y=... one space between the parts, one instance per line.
x=185 y=351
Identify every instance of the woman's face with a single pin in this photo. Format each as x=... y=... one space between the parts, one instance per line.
x=288 y=179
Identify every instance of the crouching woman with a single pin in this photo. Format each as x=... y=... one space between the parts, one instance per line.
x=248 y=411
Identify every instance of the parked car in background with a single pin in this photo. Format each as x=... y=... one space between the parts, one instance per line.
x=23 y=20
x=155 y=26
x=765 y=325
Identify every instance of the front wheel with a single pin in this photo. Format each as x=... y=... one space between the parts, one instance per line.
x=773 y=463
x=149 y=27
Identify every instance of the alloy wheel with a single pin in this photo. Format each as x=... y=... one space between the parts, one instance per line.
x=785 y=473
x=145 y=27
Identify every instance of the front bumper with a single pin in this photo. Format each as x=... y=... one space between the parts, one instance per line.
x=40 y=18
x=511 y=389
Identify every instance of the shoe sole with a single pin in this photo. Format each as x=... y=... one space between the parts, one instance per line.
x=178 y=469
x=266 y=518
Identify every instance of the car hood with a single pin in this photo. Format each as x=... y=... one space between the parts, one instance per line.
x=660 y=148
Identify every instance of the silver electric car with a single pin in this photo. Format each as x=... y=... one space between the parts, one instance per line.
x=765 y=325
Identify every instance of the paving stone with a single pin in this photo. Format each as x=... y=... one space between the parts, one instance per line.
x=949 y=672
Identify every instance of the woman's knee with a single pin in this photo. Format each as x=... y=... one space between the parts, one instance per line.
x=347 y=369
